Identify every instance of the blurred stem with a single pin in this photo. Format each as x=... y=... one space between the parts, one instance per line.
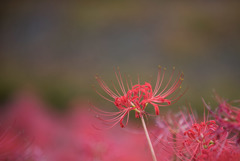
x=175 y=137
x=148 y=139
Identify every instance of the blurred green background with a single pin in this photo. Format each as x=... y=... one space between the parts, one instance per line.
x=56 y=47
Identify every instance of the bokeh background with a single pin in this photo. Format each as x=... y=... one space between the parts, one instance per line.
x=50 y=51
x=56 y=47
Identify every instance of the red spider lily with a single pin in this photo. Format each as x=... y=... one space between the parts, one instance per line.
x=224 y=150
x=201 y=134
x=136 y=97
x=227 y=115
x=203 y=139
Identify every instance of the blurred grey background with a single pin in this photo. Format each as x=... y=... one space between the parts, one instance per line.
x=56 y=47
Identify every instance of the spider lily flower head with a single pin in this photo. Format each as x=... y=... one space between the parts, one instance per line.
x=201 y=134
x=203 y=139
x=136 y=97
x=208 y=141
x=227 y=115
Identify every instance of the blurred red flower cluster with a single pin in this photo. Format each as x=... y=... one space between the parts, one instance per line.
x=30 y=132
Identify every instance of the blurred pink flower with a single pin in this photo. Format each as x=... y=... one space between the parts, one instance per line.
x=13 y=144
x=137 y=97
x=117 y=144
x=30 y=114
x=169 y=128
x=67 y=137
x=43 y=127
